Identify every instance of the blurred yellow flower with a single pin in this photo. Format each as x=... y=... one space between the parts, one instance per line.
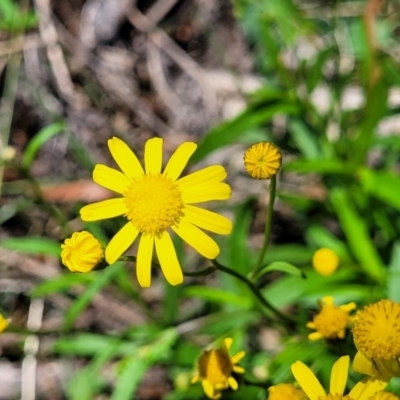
x=325 y=261
x=81 y=252
x=215 y=369
x=376 y=333
x=153 y=201
x=3 y=323
x=339 y=374
x=262 y=160
x=285 y=391
x=332 y=321
x=383 y=395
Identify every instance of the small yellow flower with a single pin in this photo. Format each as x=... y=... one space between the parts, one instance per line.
x=376 y=333
x=3 y=323
x=154 y=202
x=262 y=160
x=81 y=252
x=332 y=321
x=383 y=395
x=325 y=261
x=215 y=369
x=285 y=391
x=339 y=374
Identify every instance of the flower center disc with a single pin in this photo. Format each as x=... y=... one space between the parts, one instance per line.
x=377 y=330
x=154 y=204
x=331 y=320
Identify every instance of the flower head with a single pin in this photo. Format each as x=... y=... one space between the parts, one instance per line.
x=3 y=323
x=332 y=321
x=314 y=390
x=383 y=395
x=215 y=369
x=262 y=160
x=325 y=261
x=285 y=391
x=81 y=252
x=376 y=333
x=154 y=202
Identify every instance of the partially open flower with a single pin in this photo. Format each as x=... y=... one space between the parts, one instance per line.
x=215 y=370
x=262 y=160
x=3 y=323
x=325 y=261
x=376 y=333
x=285 y=391
x=332 y=321
x=81 y=252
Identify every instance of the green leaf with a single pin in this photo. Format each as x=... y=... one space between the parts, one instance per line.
x=381 y=185
x=133 y=368
x=102 y=279
x=393 y=282
x=281 y=266
x=290 y=253
x=61 y=284
x=317 y=166
x=230 y=131
x=216 y=295
x=39 y=140
x=305 y=140
x=33 y=245
x=357 y=234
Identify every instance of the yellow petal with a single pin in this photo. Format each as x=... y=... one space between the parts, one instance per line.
x=199 y=194
x=348 y=307
x=153 y=156
x=208 y=388
x=179 y=159
x=233 y=383
x=328 y=300
x=228 y=343
x=144 y=257
x=208 y=220
x=238 y=369
x=196 y=238
x=120 y=242
x=125 y=158
x=315 y=336
x=339 y=374
x=213 y=173
x=237 y=357
x=307 y=380
x=366 y=388
x=168 y=260
x=103 y=209
x=110 y=178
x=363 y=365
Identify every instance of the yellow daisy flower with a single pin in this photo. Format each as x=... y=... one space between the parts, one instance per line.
x=332 y=321
x=376 y=333
x=215 y=369
x=285 y=391
x=81 y=252
x=383 y=395
x=313 y=389
x=154 y=201
x=3 y=323
x=262 y=160
x=325 y=261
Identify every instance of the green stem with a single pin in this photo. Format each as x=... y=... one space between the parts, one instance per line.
x=254 y=289
x=268 y=226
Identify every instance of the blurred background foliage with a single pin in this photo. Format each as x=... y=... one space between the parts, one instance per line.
x=320 y=79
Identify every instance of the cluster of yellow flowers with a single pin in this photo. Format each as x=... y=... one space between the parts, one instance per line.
x=376 y=332
x=155 y=201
